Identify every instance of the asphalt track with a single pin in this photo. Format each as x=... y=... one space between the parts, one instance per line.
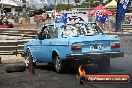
x=45 y=77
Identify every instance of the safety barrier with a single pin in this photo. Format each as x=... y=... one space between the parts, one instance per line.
x=127 y=28
x=12 y=41
x=11 y=47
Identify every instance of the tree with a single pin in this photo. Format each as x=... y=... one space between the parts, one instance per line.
x=24 y=1
x=45 y=7
x=32 y=7
x=93 y=3
x=77 y=2
x=60 y=7
x=50 y=7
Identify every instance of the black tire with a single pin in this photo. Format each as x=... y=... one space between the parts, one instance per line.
x=50 y=65
x=59 y=65
x=104 y=64
x=15 y=68
x=29 y=56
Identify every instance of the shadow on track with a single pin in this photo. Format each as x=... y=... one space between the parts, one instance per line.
x=89 y=68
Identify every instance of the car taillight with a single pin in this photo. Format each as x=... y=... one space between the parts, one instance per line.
x=76 y=47
x=115 y=45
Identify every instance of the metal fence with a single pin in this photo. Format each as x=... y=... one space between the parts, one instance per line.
x=12 y=41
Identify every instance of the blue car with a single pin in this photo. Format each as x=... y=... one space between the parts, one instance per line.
x=63 y=45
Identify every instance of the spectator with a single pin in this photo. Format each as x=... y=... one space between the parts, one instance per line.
x=16 y=18
x=50 y=15
x=21 y=21
x=47 y=17
x=36 y=19
x=27 y=18
x=113 y=22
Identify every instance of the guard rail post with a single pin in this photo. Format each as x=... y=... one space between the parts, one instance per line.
x=0 y=61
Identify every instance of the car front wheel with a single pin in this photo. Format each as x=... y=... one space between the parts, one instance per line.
x=28 y=56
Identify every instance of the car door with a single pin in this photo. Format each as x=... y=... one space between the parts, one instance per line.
x=38 y=49
x=44 y=46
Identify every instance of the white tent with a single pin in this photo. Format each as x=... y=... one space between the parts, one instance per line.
x=113 y=3
x=12 y=2
x=41 y=1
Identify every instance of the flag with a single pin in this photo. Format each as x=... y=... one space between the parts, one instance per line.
x=61 y=18
x=98 y=15
x=101 y=17
x=122 y=6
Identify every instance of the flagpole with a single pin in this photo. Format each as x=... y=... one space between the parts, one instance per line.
x=68 y=5
x=54 y=13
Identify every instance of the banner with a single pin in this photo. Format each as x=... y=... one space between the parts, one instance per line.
x=77 y=18
x=61 y=18
x=122 y=6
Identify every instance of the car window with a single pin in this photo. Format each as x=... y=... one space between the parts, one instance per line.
x=88 y=29
x=52 y=31
x=69 y=31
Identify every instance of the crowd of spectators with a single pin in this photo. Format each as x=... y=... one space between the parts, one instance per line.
x=27 y=17
x=5 y=23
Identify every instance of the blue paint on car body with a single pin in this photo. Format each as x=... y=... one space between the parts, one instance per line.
x=42 y=50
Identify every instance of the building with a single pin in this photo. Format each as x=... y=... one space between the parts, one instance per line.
x=11 y=6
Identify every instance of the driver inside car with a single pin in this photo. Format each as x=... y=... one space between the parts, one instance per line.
x=43 y=33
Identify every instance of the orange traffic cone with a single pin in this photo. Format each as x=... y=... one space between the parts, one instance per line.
x=31 y=68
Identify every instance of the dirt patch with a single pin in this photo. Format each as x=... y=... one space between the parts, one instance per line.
x=13 y=61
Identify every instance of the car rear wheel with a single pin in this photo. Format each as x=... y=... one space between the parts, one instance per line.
x=28 y=56
x=104 y=64
x=59 y=64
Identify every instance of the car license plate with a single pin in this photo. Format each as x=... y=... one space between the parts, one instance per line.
x=95 y=47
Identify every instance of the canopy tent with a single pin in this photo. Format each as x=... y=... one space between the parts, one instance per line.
x=113 y=3
x=11 y=2
x=100 y=8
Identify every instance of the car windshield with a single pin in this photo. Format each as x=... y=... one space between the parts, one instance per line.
x=72 y=30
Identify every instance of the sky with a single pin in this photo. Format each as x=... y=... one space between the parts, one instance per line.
x=40 y=5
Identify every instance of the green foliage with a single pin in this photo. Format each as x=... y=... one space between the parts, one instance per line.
x=32 y=7
x=60 y=7
x=90 y=3
x=85 y=4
